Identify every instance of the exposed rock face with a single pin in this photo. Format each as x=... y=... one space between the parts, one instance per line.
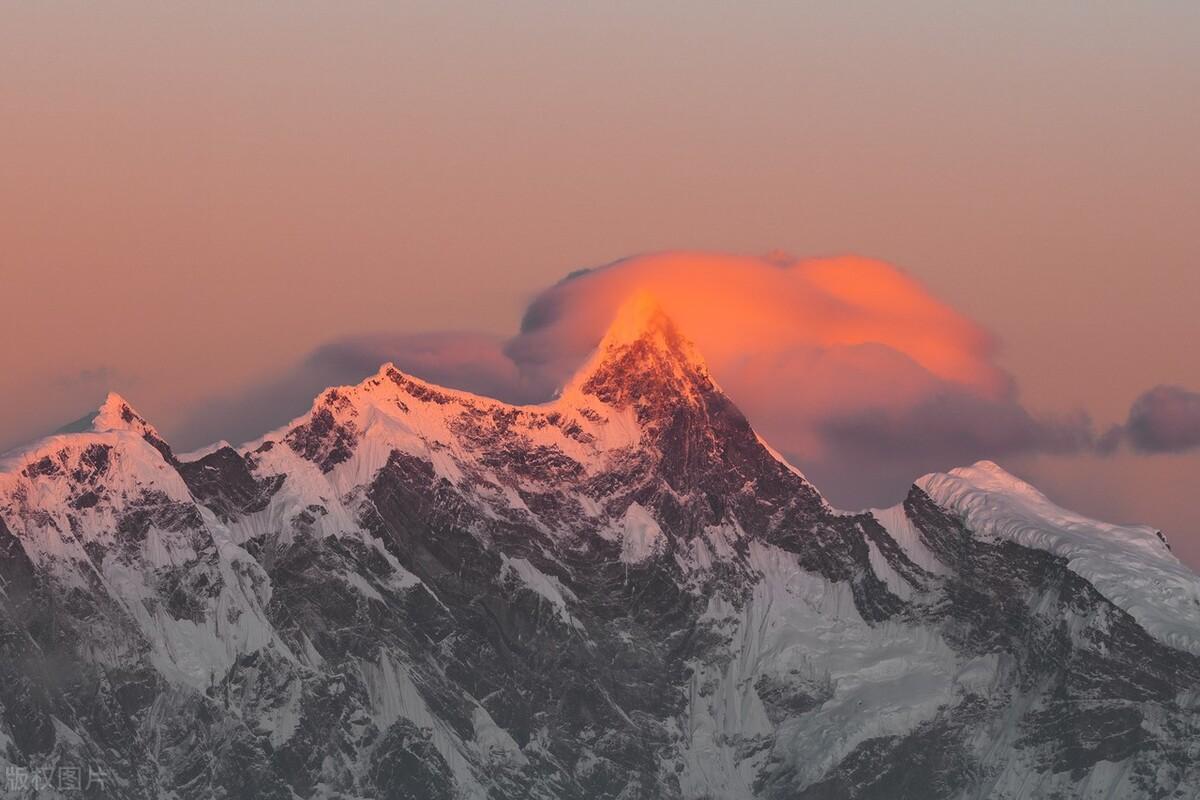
x=412 y=592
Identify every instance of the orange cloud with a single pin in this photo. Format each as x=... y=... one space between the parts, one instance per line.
x=736 y=306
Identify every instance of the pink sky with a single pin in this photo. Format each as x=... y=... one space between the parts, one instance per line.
x=193 y=198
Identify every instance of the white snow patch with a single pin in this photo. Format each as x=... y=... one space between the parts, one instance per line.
x=879 y=563
x=281 y=720
x=364 y=588
x=547 y=586
x=641 y=535
x=493 y=740
x=898 y=526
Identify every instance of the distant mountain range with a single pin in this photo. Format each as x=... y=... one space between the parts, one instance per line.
x=414 y=592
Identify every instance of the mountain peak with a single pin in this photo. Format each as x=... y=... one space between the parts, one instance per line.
x=641 y=319
x=116 y=414
x=640 y=315
x=642 y=355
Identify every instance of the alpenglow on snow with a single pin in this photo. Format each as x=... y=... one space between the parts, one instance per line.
x=415 y=592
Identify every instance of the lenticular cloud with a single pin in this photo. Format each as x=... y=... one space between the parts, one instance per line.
x=742 y=310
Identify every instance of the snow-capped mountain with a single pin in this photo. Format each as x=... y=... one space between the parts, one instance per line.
x=414 y=592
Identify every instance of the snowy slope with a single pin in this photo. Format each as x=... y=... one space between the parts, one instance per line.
x=411 y=591
x=1130 y=565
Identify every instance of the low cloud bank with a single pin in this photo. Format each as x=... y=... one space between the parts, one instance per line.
x=1166 y=419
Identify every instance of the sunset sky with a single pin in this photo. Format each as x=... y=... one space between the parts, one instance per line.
x=213 y=208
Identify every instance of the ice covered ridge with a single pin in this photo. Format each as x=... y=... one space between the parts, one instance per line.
x=1130 y=565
